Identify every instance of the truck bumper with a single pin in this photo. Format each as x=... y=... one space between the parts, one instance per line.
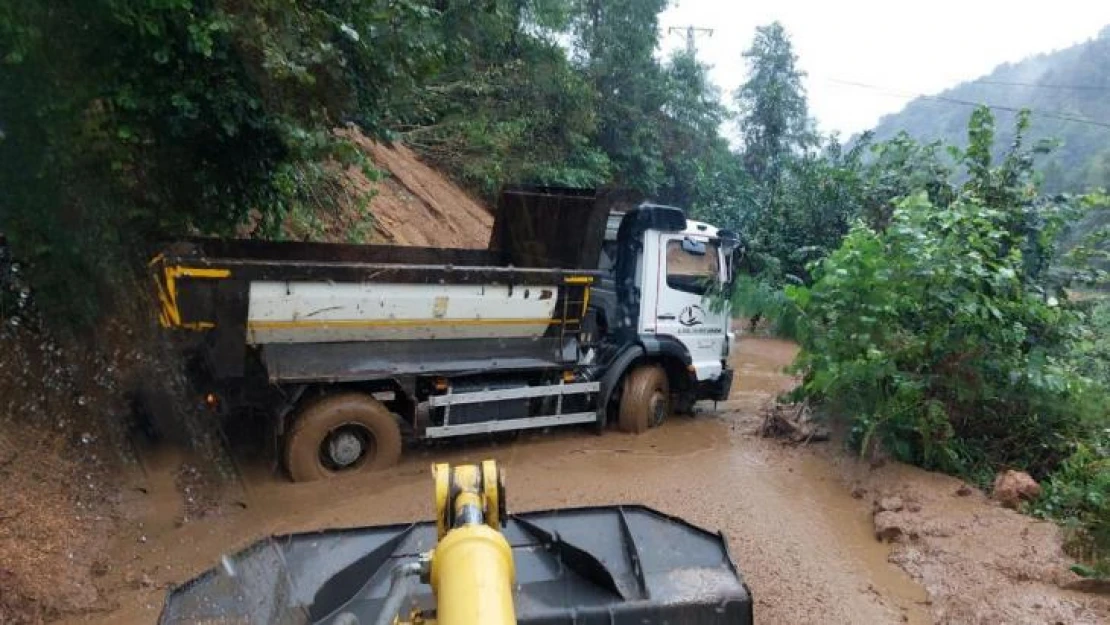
x=718 y=389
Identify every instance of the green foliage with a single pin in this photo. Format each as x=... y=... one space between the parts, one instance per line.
x=615 y=42
x=773 y=110
x=699 y=171
x=799 y=201
x=508 y=106
x=130 y=120
x=941 y=327
x=897 y=168
x=1091 y=348
x=940 y=333
x=1078 y=495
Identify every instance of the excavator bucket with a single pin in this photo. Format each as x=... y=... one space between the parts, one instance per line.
x=617 y=565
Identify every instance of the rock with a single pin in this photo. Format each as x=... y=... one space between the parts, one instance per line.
x=889 y=504
x=888 y=526
x=1011 y=487
x=938 y=530
x=963 y=491
x=858 y=492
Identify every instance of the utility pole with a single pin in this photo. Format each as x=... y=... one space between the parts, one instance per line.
x=691 y=32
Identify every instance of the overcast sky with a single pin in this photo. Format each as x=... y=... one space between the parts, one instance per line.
x=918 y=47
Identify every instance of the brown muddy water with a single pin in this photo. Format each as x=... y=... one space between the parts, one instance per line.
x=805 y=545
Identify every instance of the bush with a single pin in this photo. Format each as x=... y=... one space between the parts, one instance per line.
x=940 y=333
x=1078 y=495
x=927 y=334
x=944 y=332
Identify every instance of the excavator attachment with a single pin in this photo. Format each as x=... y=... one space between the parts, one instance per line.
x=613 y=565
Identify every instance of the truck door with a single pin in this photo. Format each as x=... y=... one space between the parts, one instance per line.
x=688 y=266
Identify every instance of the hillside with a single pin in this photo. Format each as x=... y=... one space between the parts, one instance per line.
x=400 y=201
x=1073 y=83
x=414 y=204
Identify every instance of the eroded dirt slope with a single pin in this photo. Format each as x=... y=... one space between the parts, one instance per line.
x=401 y=202
x=980 y=562
x=416 y=205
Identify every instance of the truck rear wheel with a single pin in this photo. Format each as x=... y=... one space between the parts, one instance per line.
x=645 y=399
x=341 y=434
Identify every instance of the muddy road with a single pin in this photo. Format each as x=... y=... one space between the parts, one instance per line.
x=803 y=539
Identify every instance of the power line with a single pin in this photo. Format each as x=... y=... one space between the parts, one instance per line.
x=999 y=107
x=1008 y=83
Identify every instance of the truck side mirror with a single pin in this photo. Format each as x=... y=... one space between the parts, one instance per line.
x=729 y=240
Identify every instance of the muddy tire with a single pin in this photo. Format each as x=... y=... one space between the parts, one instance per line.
x=339 y=435
x=645 y=399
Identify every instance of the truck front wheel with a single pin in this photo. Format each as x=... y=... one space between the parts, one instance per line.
x=340 y=434
x=645 y=399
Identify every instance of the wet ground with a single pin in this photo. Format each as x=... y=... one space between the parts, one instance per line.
x=798 y=519
x=805 y=545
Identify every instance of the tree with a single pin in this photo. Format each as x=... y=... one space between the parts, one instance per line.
x=783 y=218
x=615 y=43
x=508 y=106
x=131 y=120
x=696 y=158
x=774 y=115
x=941 y=334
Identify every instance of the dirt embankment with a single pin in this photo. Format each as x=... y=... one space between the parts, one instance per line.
x=980 y=562
x=414 y=204
x=397 y=200
x=58 y=458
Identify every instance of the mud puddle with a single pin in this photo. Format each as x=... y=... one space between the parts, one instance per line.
x=803 y=543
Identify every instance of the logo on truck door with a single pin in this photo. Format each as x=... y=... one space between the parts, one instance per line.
x=692 y=316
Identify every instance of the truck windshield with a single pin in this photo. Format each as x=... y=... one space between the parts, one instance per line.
x=691 y=272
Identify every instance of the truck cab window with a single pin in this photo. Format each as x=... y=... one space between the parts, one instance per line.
x=691 y=265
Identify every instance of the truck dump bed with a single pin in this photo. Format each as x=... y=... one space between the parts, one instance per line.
x=313 y=308
x=618 y=565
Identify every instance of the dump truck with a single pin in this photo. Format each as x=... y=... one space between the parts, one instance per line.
x=586 y=308
x=477 y=565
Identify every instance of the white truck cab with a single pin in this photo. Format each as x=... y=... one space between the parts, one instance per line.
x=677 y=271
x=661 y=269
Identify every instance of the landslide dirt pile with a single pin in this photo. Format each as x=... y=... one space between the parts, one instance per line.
x=415 y=204
x=980 y=562
x=399 y=201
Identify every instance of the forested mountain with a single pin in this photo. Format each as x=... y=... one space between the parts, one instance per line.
x=1062 y=89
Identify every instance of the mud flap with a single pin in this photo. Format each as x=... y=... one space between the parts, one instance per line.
x=719 y=389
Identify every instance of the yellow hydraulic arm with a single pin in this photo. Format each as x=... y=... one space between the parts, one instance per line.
x=471 y=568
